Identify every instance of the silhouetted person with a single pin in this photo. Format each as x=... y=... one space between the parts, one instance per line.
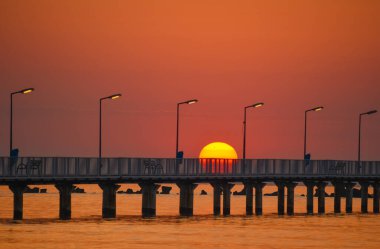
x=13 y=159
x=307 y=159
x=179 y=160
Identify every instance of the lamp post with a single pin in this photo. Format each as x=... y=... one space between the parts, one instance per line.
x=360 y=124
x=23 y=91
x=189 y=102
x=112 y=97
x=315 y=109
x=245 y=124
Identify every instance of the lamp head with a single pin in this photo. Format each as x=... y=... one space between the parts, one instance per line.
x=371 y=112
x=193 y=101
x=27 y=90
x=315 y=109
x=23 y=91
x=189 y=102
x=258 y=105
x=112 y=97
x=115 y=96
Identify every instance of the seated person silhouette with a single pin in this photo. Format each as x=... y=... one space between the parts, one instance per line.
x=13 y=158
x=307 y=159
x=179 y=156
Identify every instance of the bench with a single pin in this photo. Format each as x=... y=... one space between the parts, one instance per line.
x=337 y=168
x=153 y=167
x=31 y=165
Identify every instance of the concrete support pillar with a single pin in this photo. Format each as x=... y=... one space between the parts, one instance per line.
x=64 y=200
x=376 y=197
x=281 y=198
x=310 y=197
x=217 y=192
x=338 y=186
x=349 y=186
x=259 y=197
x=18 y=197
x=109 y=199
x=364 y=195
x=149 y=191
x=249 y=198
x=186 y=202
x=321 y=197
x=227 y=198
x=290 y=197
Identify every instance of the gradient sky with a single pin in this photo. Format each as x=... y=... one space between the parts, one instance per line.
x=290 y=54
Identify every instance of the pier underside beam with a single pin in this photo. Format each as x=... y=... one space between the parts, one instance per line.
x=290 y=197
x=64 y=200
x=309 y=196
x=376 y=197
x=349 y=192
x=259 y=197
x=148 y=199
x=249 y=198
x=227 y=198
x=321 y=197
x=186 y=202
x=364 y=196
x=217 y=191
x=18 y=197
x=109 y=199
x=338 y=190
x=281 y=198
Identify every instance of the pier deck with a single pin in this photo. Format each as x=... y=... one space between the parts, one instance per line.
x=222 y=174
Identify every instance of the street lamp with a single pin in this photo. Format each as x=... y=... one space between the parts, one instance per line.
x=23 y=91
x=112 y=97
x=245 y=124
x=188 y=102
x=360 y=124
x=315 y=109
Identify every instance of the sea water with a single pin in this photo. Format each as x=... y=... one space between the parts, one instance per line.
x=41 y=227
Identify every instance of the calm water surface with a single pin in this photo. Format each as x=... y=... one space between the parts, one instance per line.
x=41 y=229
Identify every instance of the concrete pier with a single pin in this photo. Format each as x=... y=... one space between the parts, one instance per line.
x=309 y=197
x=259 y=197
x=186 y=202
x=217 y=192
x=109 y=199
x=18 y=199
x=64 y=200
x=249 y=198
x=321 y=197
x=149 y=191
x=281 y=198
x=364 y=196
x=376 y=195
x=290 y=197
x=148 y=172
x=349 y=186
x=338 y=186
x=226 y=187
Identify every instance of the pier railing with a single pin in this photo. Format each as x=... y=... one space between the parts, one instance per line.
x=48 y=167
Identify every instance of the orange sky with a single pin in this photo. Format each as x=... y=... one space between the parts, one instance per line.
x=292 y=55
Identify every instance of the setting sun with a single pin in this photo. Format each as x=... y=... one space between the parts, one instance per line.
x=218 y=150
